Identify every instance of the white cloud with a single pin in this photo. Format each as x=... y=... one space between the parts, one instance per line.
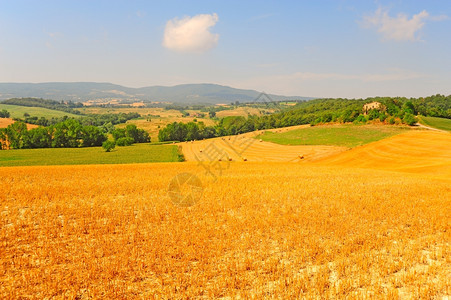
x=191 y=34
x=399 y=28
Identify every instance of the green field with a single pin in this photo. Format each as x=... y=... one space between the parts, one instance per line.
x=335 y=135
x=17 y=111
x=137 y=153
x=439 y=123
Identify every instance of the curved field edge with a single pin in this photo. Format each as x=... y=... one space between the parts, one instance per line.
x=137 y=153
x=18 y=111
x=333 y=135
x=422 y=152
x=5 y=122
x=439 y=123
x=261 y=229
x=246 y=148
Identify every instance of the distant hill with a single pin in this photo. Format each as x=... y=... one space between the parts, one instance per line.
x=84 y=91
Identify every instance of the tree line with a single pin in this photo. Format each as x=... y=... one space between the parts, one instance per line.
x=67 y=134
x=130 y=135
x=392 y=111
x=68 y=106
x=70 y=133
x=89 y=119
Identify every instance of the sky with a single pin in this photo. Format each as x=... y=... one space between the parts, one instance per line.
x=336 y=48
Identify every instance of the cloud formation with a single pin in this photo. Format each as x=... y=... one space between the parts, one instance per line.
x=399 y=28
x=191 y=34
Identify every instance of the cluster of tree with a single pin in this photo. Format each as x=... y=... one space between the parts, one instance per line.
x=210 y=109
x=393 y=110
x=101 y=119
x=45 y=103
x=215 y=108
x=202 y=108
x=42 y=121
x=4 y=113
x=186 y=132
x=432 y=106
x=68 y=134
x=176 y=107
x=130 y=135
x=105 y=120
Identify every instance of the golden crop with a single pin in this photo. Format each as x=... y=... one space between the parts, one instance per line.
x=261 y=230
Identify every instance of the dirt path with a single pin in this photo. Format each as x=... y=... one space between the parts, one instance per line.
x=430 y=128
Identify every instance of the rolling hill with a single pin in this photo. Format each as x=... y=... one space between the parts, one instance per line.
x=18 y=111
x=83 y=91
x=419 y=151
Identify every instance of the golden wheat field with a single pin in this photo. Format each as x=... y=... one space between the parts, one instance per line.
x=249 y=148
x=5 y=122
x=287 y=230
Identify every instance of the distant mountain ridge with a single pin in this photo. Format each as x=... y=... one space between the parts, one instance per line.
x=84 y=91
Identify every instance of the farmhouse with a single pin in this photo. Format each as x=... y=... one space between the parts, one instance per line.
x=373 y=105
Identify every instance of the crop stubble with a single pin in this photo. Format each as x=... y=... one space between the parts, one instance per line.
x=260 y=230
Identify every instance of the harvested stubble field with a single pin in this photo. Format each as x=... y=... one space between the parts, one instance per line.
x=5 y=122
x=261 y=230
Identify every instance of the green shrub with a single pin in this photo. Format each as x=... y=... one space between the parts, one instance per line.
x=4 y=113
x=108 y=145
x=125 y=141
x=409 y=119
x=360 y=119
x=180 y=156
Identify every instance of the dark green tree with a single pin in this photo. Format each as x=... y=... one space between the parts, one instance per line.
x=108 y=145
x=4 y=113
x=92 y=136
x=68 y=134
x=40 y=137
x=3 y=138
x=16 y=134
x=118 y=133
x=409 y=119
x=124 y=141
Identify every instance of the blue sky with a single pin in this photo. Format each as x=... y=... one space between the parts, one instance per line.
x=307 y=48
